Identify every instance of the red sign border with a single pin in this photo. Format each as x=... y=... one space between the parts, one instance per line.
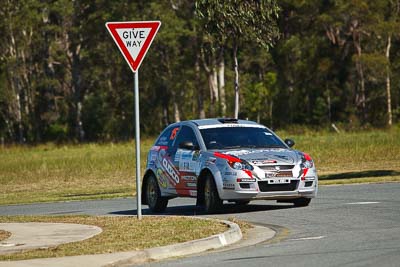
x=112 y=28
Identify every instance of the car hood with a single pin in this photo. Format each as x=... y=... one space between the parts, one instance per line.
x=266 y=156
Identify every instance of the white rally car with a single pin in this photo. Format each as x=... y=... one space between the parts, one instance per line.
x=226 y=159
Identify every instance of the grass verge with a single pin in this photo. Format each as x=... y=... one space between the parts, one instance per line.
x=120 y=234
x=93 y=171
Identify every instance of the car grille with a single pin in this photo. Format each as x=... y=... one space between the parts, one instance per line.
x=273 y=167
x=266 y=187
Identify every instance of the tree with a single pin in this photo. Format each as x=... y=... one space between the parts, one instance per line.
x=239 y=21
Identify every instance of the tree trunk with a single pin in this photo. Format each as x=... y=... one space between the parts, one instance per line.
x=271 y=121
x=14 y=83
x=213 y=86
x=388 y=94
x=177 y=114
x=77 y=94
x=360 y=95
x=200 y=91
x=221 y=81
x=236 y=68
x=209 y=66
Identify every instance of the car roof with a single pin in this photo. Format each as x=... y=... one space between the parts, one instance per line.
x=222 y=121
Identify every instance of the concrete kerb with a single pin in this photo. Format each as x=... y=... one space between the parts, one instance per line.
x=232 y=235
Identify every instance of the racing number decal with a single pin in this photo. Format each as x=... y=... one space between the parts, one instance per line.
x=174 y=133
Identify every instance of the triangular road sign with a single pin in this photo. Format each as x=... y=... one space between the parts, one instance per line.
x=133 y=39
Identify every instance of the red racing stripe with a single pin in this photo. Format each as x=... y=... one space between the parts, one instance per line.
x=227 y=157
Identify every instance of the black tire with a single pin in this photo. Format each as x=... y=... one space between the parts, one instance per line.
x=302 y=202
x=242 y=202
x=156 y=202
x=212 y=202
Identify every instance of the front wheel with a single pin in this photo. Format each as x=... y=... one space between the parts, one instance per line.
x=156 y=202
x=212 y=202
x=302 y=202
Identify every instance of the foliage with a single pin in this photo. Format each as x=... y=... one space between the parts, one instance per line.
x=63 y=79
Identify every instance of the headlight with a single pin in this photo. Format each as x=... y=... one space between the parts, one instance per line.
x=242 y=165
x=306 y=164
x=306 y=161
x=236 y=165
x=235 y=162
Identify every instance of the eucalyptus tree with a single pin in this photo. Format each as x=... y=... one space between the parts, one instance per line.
x=239 y=22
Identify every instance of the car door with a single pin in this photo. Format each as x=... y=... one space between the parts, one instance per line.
x=186 y=161
x=160 y=161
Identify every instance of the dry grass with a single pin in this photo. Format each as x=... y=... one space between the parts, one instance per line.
x=244 y=226
x=92 y=171
x=54 y=173
x=348 y=156
x=120 y=234
x=4 y=235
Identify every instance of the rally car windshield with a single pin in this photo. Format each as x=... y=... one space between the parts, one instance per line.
x=240 y=137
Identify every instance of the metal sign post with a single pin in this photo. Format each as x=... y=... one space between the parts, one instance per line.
x=133 y=39
x=137 y=142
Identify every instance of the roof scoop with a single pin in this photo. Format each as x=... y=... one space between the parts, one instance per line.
x=228 y=120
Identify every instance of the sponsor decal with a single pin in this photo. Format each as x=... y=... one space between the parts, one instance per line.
x=193 y=193
x=227 y=157
x=152 y=157
x=185 y=160
x=191 y=185
x=158 y=148
x=249 y=173
x=241 y=152
x=263 y=162
x=304 y=174
x=188 y=166
x=189 y=178
x=245 y=180
x=230 y=125
x=186 y=155
x=231 y=173
x=170 y=169
x=161 y=178
x=174 y=133
x=270 y=174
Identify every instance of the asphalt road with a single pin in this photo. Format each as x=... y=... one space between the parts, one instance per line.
x=352 y=225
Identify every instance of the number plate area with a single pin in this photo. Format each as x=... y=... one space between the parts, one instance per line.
x=279 y=181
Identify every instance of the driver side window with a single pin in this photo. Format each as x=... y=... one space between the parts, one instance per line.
x=185 y=134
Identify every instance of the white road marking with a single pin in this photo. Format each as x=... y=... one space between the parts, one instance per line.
x=362 y=203
x=308 y=238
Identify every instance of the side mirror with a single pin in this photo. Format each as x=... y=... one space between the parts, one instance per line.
x=188 y=145
x=289 y=142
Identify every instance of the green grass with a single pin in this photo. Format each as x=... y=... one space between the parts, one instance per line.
x=120 y=234
x=90 y=171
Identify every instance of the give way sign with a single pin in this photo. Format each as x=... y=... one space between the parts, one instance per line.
x=133 y=39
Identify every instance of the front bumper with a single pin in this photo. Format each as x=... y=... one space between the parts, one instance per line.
x=262 y=189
